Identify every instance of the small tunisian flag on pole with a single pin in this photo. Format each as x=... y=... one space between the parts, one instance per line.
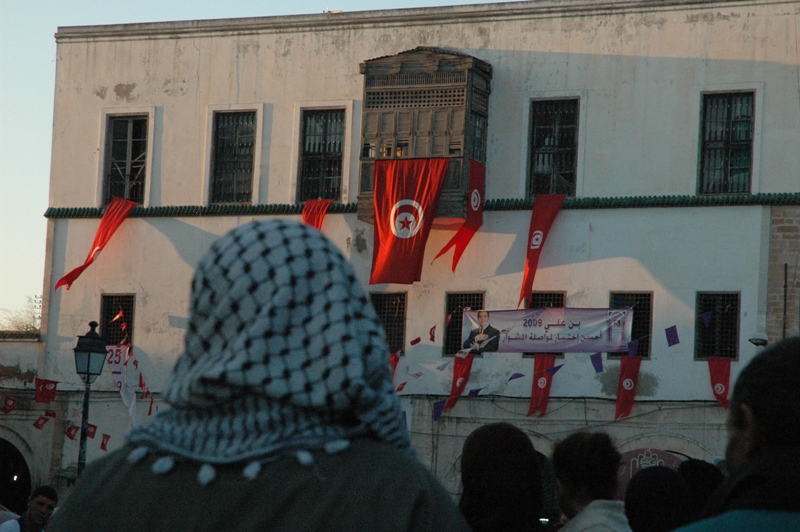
x=406 y=197
x=545 y=209
x=474 y=214
x=626 y=389
x=115 y=214
x=719 y=369
x=462 y=367
x=314 y=212
x=542 y=380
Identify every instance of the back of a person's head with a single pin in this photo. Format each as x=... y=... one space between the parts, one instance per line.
x=586 y=465
x=770 y=386
x=501 y=479
x=657 y=499
x=47 y=492
x=702 y=478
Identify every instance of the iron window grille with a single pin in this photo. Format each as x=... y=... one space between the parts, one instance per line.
x=391 y=309
x=726 y=143
x=547 y=300
x=232 y=159
x=117 y=315
x=716 y=325
x=454 y=318
x=642 y=329
x=553 y=147
x=321 y=159
x=126 y=158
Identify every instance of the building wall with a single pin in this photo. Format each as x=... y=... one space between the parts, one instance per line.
x=639 y=69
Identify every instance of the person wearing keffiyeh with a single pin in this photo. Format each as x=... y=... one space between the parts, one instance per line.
x=282 y=410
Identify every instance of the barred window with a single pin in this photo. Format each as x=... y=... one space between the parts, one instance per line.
x=553 y=147
x=391 y=309
x=117 y=314
x=232 y=157
x=642 y=329
x=547 y=300
x=321 y=159
x=716 y=332
x=454 y=318
x=726 y=143
x=126 y=158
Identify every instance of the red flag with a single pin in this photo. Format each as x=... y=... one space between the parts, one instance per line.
x=115 y=214
x=72 y=431
x=415 y=341
x=104 y=443
x=91 y=430
x=626 y=389
x=146 y=393
x=406 y=198
x=150 y=410
x=720 y=370
x=9 y=405
x=461 y=370
x=432 y=333
x=474 y=219
x=545 y=209
x=50 y=413
x=542 y=380
x=400 y=388
x=142 y=384
x=45 y=390
x=118 y=316
x=40 y=423
x=394 y=358
x=314 y=211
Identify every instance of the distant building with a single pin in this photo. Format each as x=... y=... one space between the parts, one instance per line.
x=673 y=127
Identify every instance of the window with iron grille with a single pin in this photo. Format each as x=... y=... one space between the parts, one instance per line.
x=321 y=158
x=391 y=309
x=126 y=158
x=642 y=305
x=116 y=317
x=716 y=329
x=547 y=300
x=726 y=143
x=553 y=147
x=454 y=318
x=232 y=157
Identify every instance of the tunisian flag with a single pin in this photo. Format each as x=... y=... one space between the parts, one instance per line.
x=314 y=211
x=115 y=214
x=545 y=209
x=45 y=390
x=406 y=197
x=474 y=219
x=626 y=389
x=542 y=380
x=461 y=370
x=720 y=370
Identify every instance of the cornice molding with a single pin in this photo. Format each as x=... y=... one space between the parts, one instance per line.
x=513 y=204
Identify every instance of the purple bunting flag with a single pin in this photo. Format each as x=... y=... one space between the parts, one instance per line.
x=554 y=369
x=438 y=408
x=515 y=376
x=633 y=348
x=442 y=366
x=706 y=318
x=474 y=392
x=597 y=362
x=672 y=335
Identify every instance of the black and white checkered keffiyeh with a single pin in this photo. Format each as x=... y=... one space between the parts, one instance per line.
x=284 y=354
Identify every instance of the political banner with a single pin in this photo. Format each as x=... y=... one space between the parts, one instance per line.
x=547 y=330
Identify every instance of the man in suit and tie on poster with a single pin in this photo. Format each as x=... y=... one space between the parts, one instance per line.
x=483 y=339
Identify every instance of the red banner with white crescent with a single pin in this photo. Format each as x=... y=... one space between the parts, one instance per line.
x=462 y=367
x=114 y=215
x=461 y=239
x=542 y=380
x=406 y=198
x=626 y=389
x=314 y=212
x=545 y=209
x=719 y=369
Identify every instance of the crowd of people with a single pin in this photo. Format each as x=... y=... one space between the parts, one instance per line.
x=284 y=418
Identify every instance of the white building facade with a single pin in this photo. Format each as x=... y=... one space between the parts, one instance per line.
x=673 y=127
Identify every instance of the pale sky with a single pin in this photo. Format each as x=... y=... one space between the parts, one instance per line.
x=27 y=77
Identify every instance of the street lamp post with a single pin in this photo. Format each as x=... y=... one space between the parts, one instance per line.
x=90 y=355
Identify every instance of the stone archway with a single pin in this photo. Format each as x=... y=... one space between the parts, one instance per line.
x=15 y=478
